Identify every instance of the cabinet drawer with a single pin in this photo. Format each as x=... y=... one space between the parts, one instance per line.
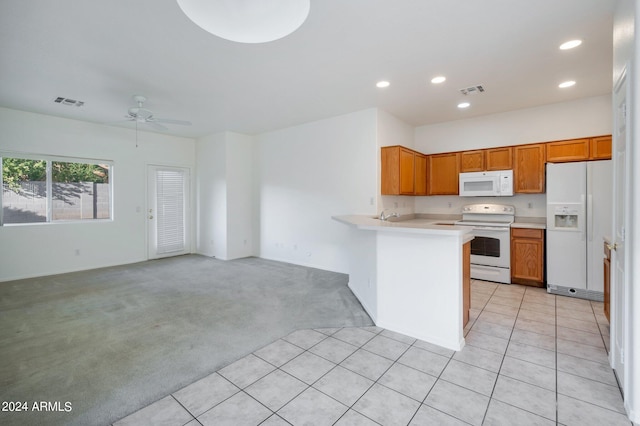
x=527 y=233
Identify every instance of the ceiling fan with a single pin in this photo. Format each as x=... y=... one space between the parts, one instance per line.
x=140 y=114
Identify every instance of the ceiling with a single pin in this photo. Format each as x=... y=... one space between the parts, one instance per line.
x=103 y=52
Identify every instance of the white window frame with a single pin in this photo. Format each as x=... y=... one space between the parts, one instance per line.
x=50 y=159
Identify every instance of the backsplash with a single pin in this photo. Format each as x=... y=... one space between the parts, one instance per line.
x=527 y=205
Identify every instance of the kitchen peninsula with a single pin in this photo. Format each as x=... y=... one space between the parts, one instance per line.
x=410 y=276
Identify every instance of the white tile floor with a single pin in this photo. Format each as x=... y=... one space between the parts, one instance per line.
x=530 y=358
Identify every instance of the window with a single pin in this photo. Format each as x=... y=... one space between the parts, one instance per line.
x=52 y=190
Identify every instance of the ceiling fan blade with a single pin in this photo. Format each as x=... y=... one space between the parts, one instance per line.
x=172 y=121
x=156 y=126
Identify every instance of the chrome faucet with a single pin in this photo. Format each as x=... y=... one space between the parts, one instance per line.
x=383 y=217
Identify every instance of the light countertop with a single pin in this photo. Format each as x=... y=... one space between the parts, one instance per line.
x=416 y=226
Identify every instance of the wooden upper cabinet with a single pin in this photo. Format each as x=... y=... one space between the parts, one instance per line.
x=420 y=174
x=600 y=148
x=397 y=170
x=486 y=159
x=570 y=150
x=528 y=168
x=443 y=171
x=472 y=161
x=499 y=158
x=406 y=171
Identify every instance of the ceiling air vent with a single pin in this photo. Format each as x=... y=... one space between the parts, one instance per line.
x=67 y=101
x=472 y=90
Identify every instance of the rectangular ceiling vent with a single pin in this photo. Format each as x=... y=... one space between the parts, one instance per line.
x=472 y=90
x=67 y=101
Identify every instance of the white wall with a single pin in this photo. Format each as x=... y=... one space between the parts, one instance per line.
x=566 y=120
x=225 y=195
x=308 y=173
x=240 y=196
x=392 y=131
x=43 y=249
x=211 y=183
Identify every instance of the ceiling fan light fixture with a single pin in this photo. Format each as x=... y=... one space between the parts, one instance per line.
x=247 y=21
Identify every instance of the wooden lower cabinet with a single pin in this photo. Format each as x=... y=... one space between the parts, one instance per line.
x=466 y=282
x=527 y=256
x=607 y=281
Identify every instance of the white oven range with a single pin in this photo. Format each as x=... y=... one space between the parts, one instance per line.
x=491 y=246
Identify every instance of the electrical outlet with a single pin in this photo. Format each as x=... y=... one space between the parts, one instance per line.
x=530 y=205
x=77 y=252
x=449 y=203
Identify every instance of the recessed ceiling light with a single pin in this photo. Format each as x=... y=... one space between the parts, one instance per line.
x=463 y=105
x=570 y=44
x=439 y=79
x=382 y=84
x=566 y=84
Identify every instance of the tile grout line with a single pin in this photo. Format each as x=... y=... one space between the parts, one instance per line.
x=503 y=355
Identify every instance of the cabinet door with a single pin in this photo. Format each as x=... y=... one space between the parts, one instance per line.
x=397 y=171
x=420 y=174
x=443 y=172
x=406 y=172
x=472 y=161
x=528 y=168
x=499 y=158
x=527 y=256
x=390 y=170
x=571 y=150
x=600 y=148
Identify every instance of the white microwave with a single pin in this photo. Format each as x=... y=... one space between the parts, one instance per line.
x=486 y=184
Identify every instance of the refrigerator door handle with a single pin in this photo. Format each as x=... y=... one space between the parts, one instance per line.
x=590 y=216
x=581 y=220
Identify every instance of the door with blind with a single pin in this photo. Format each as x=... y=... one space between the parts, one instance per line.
x=168 y=211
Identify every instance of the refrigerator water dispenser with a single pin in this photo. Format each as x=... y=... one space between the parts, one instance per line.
x=565 y=217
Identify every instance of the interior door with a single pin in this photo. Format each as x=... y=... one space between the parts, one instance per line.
x=619 y=285
x=168 y=211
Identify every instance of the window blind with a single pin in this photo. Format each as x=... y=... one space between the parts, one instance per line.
x=170 y=210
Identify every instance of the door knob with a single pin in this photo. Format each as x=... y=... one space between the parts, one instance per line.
x=612 y=246
x=150 y=217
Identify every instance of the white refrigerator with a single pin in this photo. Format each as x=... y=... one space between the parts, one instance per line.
x=579 y=203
